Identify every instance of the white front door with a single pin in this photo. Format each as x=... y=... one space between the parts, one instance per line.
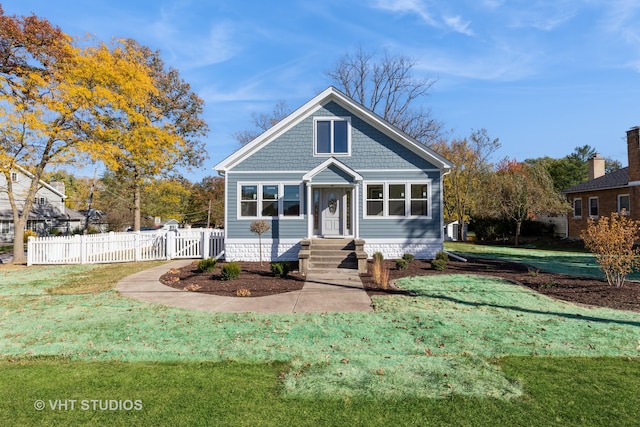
x=332 y=211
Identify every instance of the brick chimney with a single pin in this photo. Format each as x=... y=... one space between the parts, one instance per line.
x=633 y=153
x=596 y=166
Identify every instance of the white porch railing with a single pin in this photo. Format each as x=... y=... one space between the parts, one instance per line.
x=125 y=247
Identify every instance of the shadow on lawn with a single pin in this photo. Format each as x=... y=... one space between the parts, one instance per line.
x=527 y=310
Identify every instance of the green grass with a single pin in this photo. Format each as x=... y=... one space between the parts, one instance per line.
x=554 y=261
x=559 y=392
x=466 y=350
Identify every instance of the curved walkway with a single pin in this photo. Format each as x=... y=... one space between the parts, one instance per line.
x=329 y=291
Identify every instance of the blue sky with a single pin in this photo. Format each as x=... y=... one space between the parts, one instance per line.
x=542 y=76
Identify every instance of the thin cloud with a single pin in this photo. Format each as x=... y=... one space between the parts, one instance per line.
x=419 y=8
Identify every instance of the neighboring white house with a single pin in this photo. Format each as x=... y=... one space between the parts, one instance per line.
x=49 y=212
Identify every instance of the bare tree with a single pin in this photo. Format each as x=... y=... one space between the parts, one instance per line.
x=263 y=122
x=388 y=87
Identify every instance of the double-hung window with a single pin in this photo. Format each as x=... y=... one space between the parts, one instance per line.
x=593 y=206
x=269 y=200
x=624 y=203
x=577 y=208
x=332 y=136
x=406 y=199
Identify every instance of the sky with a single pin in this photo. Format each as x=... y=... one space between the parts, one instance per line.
x=542 y=76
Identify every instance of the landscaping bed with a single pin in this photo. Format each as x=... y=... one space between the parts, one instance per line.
x=259 y=280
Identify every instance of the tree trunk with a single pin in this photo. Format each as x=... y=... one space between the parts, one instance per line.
x=461 y=236
x=136 y=204
x=19 y=256
x=518 y=226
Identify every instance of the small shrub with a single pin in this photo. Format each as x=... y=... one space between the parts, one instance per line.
x=379 y=273
x=402 y=264
x=439 y=264
x=408 y=257
x=442 y=255
x=242 y=292
x=533 y=272
x=378 y=257
x=29 y=233
x=231 y=271
x=612 y=240
x=548 y=285
x=281 y=268
x=207 y=265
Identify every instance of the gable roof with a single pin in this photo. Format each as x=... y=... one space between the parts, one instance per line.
x=615 y=179
x=41 y=182
x=326 y=96
x=332 y=161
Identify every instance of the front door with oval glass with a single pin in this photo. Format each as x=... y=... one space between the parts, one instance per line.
x=332 y=211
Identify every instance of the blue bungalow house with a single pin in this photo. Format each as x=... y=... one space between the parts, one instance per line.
x=333 y=172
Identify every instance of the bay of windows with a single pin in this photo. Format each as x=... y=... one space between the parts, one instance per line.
x=269 y=200
x=396 y=199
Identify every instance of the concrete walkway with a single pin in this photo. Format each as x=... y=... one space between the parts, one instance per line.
x=326 y=291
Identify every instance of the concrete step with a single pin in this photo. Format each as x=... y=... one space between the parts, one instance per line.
x=313 y=266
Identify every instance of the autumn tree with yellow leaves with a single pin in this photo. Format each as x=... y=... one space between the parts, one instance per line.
x=61 y=103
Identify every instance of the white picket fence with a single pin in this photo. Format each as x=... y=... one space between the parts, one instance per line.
x=125 y=247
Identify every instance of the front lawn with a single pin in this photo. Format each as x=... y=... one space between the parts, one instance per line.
x=464 y=347
x=558 y=392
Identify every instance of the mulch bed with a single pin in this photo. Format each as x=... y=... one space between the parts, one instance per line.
x=259 y=280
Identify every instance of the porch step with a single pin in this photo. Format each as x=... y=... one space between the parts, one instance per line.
x=332 y=254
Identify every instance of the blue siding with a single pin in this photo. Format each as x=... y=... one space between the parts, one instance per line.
x=411 y=228
x=333 y=174
x=374 y=155
x=370 y=148
x=281 y=228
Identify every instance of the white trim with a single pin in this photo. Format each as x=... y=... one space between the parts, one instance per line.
x=399 y=170
x=264 y=240
x=259 y=200
x=266 y=172
x=407 y=199
x=628 y=211
x=308 y=177
x=633 y=183
x=326 y=96
x=332 y=120
x=597 y=206
x=573 y=208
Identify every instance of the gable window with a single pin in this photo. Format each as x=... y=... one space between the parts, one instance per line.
x=577 y=208
x=332 y=136
x=397 y=199
x=269 y=200
x=14 y=177
x=593 y=206
x=624 y=203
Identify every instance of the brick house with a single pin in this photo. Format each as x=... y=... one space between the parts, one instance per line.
x=606 y=193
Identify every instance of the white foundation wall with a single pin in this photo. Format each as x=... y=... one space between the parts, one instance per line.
x=271 y=251
x=395 y=249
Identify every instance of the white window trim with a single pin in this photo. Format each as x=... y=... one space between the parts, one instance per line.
x=259 y=200
x=315 y=136
x=628 y=211
x=407 y=198
x=574 y=208
x=597 y=205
